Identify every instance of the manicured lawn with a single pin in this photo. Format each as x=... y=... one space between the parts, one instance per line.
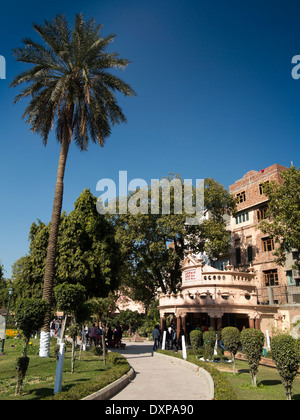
x=268 y=381
x=89 y=376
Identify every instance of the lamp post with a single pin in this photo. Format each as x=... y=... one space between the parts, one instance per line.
x=10 y=292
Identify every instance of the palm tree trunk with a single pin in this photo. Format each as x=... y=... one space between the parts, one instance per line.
x=52 y=243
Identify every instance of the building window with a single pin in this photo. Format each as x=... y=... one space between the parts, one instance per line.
x=238 y=255
x=242 y=217
x=250 y=253
x=290 y=278
x=268 y=244
x=241 y=197
x=271 y=277
x=262 y=213
x=261 y=188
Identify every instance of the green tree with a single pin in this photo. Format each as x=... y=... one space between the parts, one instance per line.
x=70 y=299
x=209 y=340
x=103 y=308
x=29 y=318
x=28 y=271
x=87 y=250
x=232 y=340
x=87 y=253
x=1 y=272
x=128 y=319
x=4 y=285
x=154 y=245
x=285 y=353
x=283 y=215
x=151 y=319
x=70 y=86
x=196 y=339
x=252 y=341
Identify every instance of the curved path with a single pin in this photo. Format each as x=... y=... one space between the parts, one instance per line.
x=158 y=378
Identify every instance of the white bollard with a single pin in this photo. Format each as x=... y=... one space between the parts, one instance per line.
x=183 y=348
x=216 y=346
x=163 y=345
x=59 y=369
x=268 y=339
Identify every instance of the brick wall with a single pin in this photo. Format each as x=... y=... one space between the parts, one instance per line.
x=250 y=185
x=244 y=232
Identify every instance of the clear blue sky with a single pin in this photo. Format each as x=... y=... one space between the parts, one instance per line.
x=215 y=98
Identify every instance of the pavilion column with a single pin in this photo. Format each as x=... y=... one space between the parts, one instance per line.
x=178 y=327
x=219 y=324
x=251 y=323
x=257 y=324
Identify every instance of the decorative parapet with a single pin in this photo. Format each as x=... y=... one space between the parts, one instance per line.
x=203 y=285
x=213 y=296
x=195 y=273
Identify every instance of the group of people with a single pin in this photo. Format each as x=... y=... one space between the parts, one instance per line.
x=92 y=333
x=171 y=338
x=95 y=333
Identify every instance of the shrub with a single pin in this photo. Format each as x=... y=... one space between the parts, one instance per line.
x=231 y=340
x=117 y=366
x=195 y=339
x=209 y=338
x=115 y=358
x=253 y=341
x=29 y=317
x=11 y=333
x=69 y=297
x=285 y=353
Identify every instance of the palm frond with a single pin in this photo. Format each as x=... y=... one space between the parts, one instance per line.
x=70 y=71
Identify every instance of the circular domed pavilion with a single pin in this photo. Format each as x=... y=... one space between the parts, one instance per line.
x=211 y=297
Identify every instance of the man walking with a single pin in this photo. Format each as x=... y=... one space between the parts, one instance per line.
x=155 y=334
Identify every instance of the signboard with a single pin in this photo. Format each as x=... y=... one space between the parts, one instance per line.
x=190 y=275
x=2 y=327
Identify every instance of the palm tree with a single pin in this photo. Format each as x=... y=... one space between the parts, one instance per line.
x=71 y=87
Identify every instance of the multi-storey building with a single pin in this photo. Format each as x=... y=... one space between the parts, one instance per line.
x=252 y=290
x=250 y=247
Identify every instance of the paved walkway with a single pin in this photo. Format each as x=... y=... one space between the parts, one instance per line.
x=159 y=379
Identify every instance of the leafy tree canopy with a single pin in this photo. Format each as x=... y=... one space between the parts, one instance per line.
x=154 y=245
x=29 y=315
x=283 y=215
x=87 y=253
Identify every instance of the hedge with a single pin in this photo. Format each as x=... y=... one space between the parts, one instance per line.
x=118 y=366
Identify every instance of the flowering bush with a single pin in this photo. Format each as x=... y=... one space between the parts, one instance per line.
x=11 y=333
